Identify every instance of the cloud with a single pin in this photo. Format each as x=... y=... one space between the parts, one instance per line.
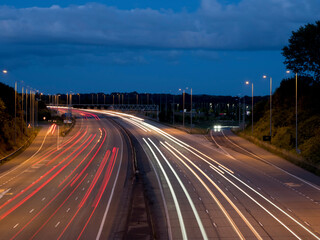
x=246 y=25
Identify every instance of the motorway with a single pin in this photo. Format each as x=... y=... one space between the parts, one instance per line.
x=225 y=188
x=70 y=190
x=220 y=187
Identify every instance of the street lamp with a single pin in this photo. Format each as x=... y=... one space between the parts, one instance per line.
x=4 y=71
x=264 y=76
x=79 y=97
x=183 y=98
x=247 y=83
x=297 y=150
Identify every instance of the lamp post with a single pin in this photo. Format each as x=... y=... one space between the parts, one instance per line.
x=191 y=109
x=296 y=93
x=172 y=109
x=247 y=83
x=297 y=150
x=270 y=104
x=183 y=98
x=15 y=113
x=79 y=97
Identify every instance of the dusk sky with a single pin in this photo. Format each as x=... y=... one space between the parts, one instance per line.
x=213 y=46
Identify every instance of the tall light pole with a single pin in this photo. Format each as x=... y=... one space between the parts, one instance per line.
x=270 y=105
x=247 y=83
x=15 y=113
x=191 y=109
x=297 y=150
x=79 y=97
x=183 y=97
x=172 y=109
x=22 y=96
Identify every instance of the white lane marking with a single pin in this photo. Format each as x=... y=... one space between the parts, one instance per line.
x=195 y=212
x=163 y=198
x=224 y=211
x=31 y=210
x=43 y=199
x=255 y=201
x=225 y=152
x=16 y=225
x=57 y=224
x=4 y=192
x=175 y=200
x=302 y=180
x=68 y=210
x=111 y=195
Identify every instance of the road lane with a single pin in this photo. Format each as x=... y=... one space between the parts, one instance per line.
x=64 y=193
x=254 y=193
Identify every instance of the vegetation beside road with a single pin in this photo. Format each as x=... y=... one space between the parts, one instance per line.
x=302 y=58
x=13 y=131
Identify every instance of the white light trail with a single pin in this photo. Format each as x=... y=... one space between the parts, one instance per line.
x=175 y=200
x=213 y=196
x=195 y=212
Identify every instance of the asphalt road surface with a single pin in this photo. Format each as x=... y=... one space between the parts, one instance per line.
x=195 y=188
x=225 y=188
x=70 y=191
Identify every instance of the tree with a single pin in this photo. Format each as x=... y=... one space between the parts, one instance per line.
x=303 y=52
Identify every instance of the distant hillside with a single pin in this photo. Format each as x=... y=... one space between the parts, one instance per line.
x=283 y=118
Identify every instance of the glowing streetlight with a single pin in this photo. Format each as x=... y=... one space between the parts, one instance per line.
x=4 y=71
x=247 y=83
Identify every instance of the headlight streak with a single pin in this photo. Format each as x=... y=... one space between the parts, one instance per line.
x=138 y=125
x=188 y=148
x=195 y=212
x=184 y=145
x=285 y=213
x=214 y=167
x=181 y=222
x=212 y=194
x=226 y=153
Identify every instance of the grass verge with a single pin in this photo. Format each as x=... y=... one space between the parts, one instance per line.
x=291 y=157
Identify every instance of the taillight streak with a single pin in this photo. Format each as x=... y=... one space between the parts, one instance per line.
x=105 y=135
x=93 y=183
x=96 y=177
x=80 y=162
x=67 y=149
x=45 y=208
x=47 y=154
x=42 y=185
x=101 y=190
